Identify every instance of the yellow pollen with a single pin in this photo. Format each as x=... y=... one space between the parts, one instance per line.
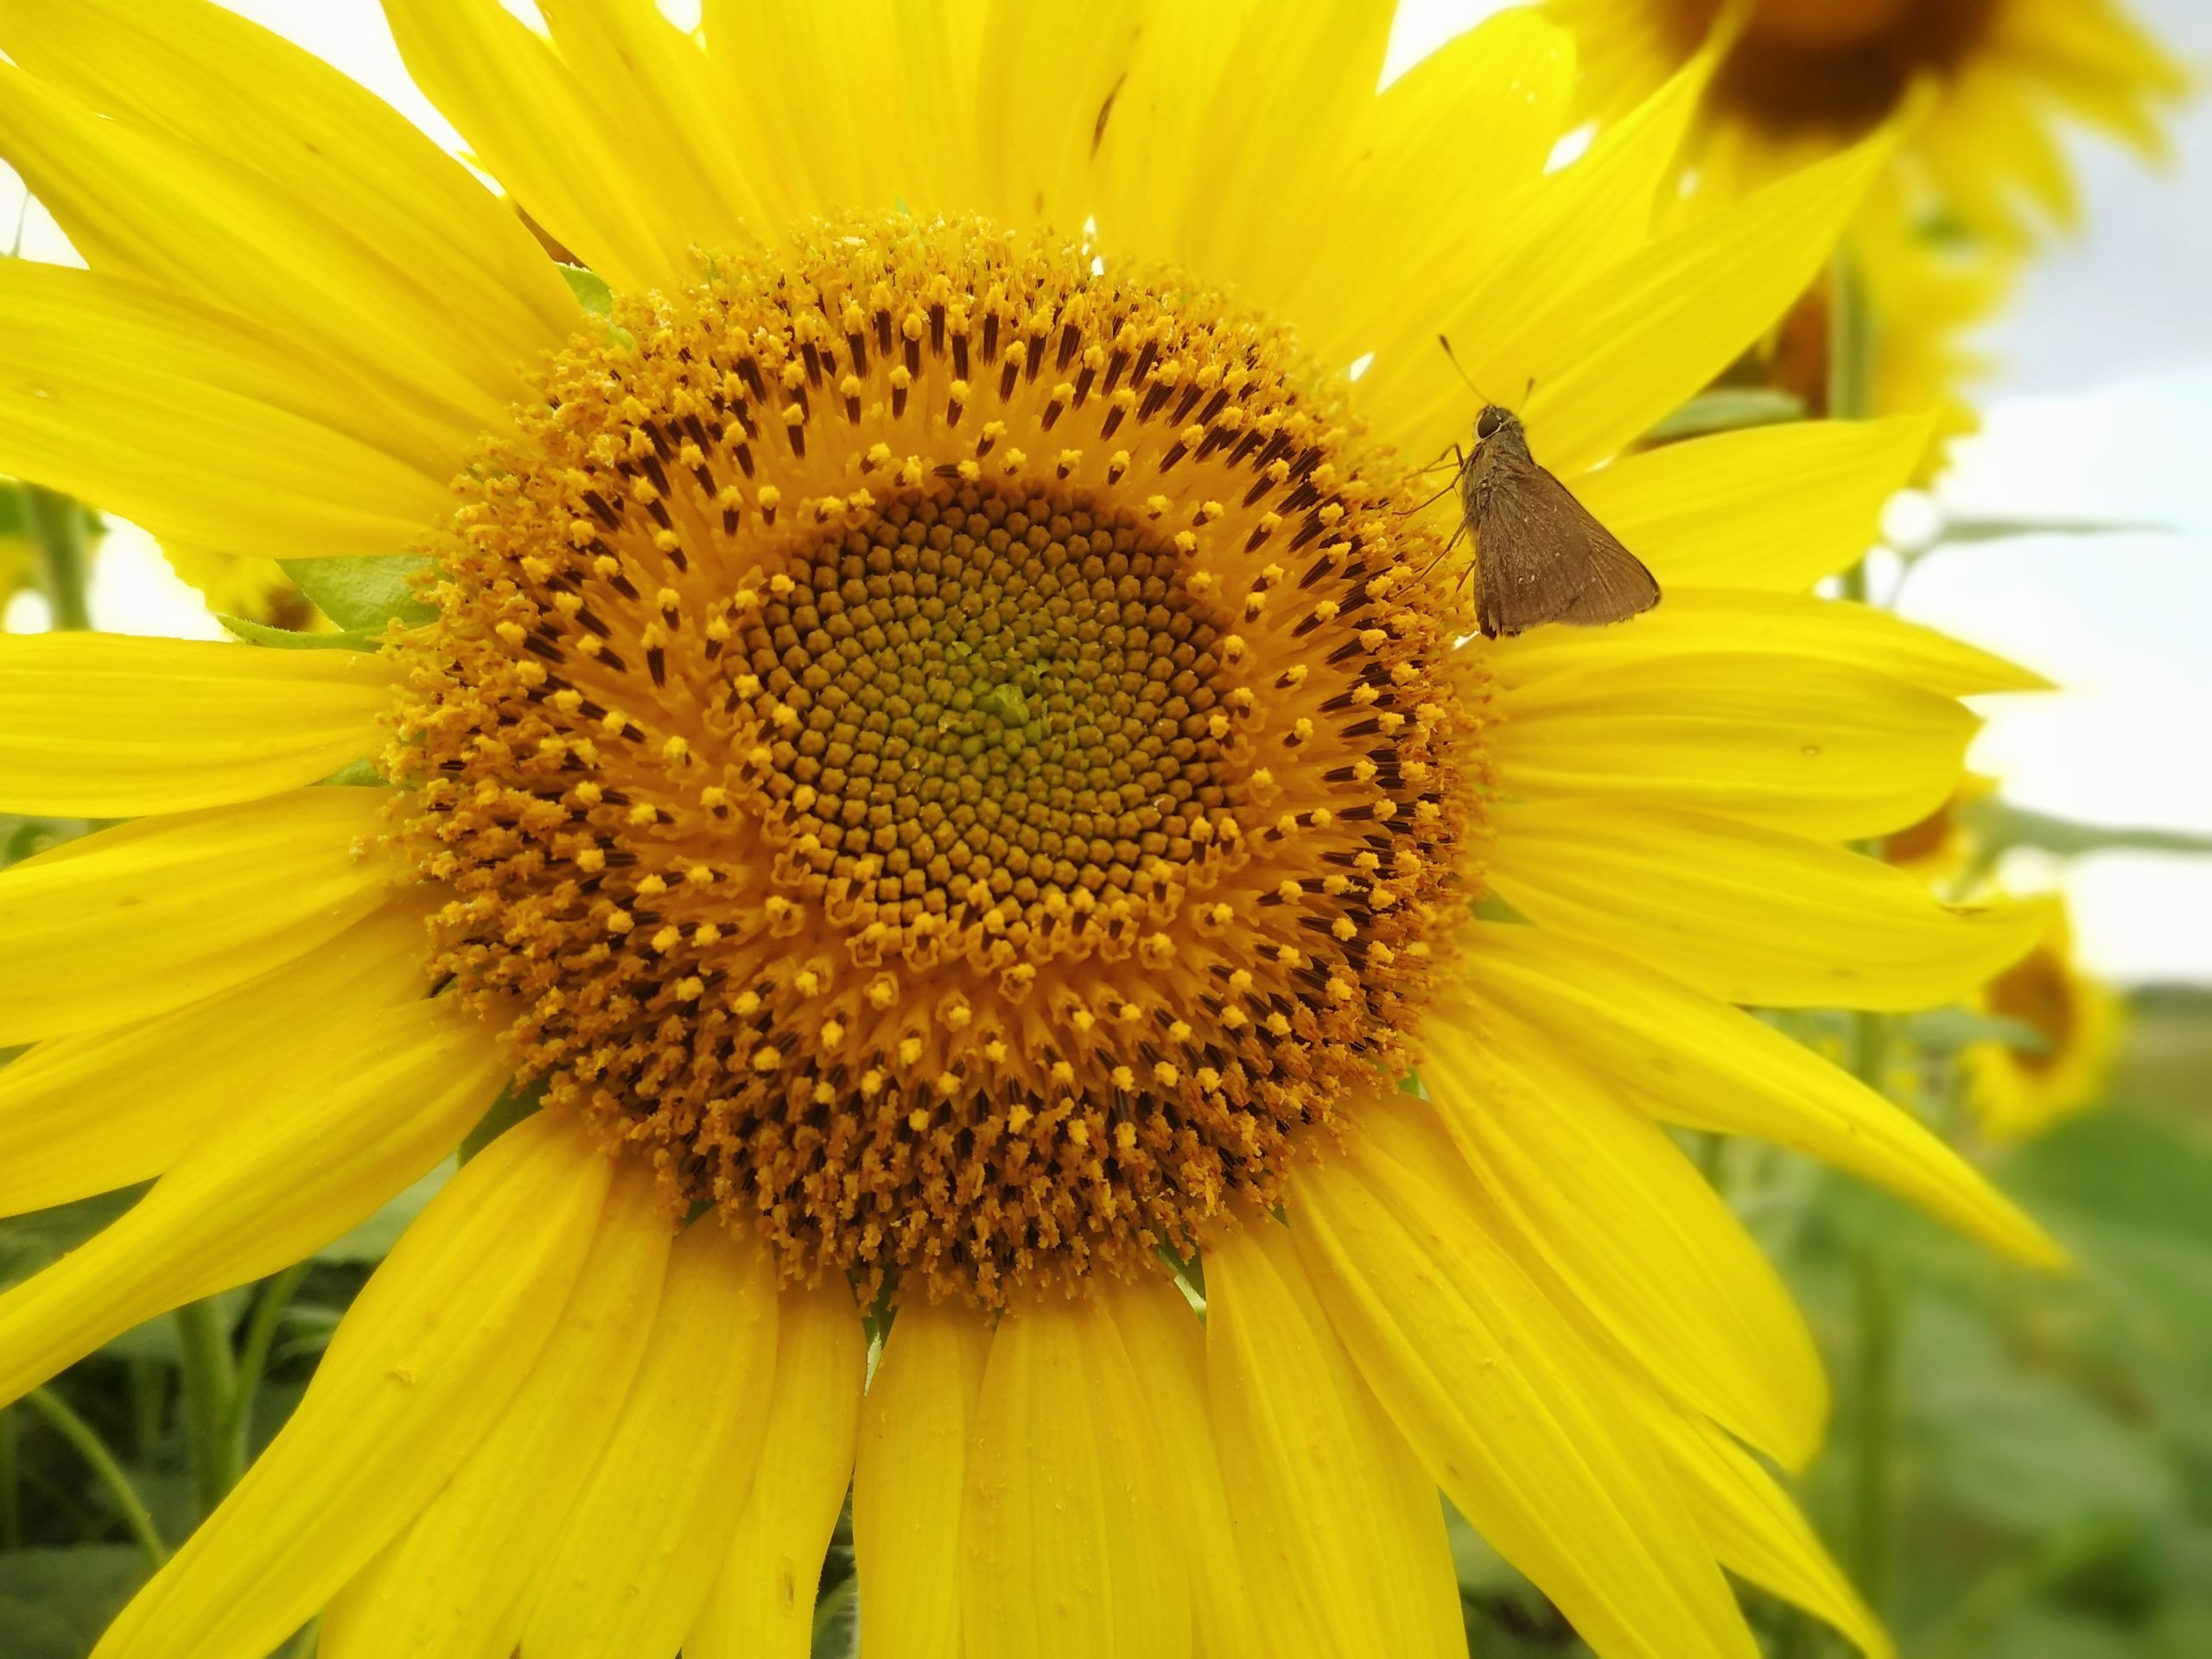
x=914 y=726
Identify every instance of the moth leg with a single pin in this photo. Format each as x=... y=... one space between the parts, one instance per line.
x=1446 y=553
x=1458 y=464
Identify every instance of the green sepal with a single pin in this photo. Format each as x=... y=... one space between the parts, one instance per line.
x=590 y=288
x=1729 y=409
x=598 y=300
x=260 y=633
x=513 y=1105
x=364 y=595
x=361 y=772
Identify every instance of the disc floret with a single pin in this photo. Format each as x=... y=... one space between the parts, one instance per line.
x=941 y=747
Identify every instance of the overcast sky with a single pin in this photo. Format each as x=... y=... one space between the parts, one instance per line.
x=2100 y=411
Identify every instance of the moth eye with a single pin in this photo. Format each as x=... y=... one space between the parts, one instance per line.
x=1486 y=423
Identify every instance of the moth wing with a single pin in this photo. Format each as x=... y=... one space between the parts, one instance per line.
x=1527 y=531
x=1616 y=585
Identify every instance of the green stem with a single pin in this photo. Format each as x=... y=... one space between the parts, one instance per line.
x=253 y=1354
x=1878 y=1312
x=145 y=1380
x=1877 y=1304
x=210 y=1378
x=81 y=1435
x=55 y=525
x=1850 y=342
x=11 y=1482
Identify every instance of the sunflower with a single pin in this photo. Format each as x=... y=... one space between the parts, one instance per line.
x=937 y=742
x=1943 y=849
x=2016 y=1091
x=1934 y=251
x=1795 y=80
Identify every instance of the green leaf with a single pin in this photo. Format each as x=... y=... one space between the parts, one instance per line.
x=260 y=633
x=157 y=1339
x=364 y=595
x=1999 y=826
x=32 y=1242
x=55 y=1603
x=590 y=288
x=2021 y=1450
x=2004 y=530
x=2048 y=1633
x=1729 y=409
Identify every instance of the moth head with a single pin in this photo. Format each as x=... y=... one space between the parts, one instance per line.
x=1490 y=420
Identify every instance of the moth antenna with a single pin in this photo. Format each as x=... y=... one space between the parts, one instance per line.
x=1445 y=340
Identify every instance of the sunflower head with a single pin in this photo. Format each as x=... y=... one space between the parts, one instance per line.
x=2017 y=1091
x=952 y=752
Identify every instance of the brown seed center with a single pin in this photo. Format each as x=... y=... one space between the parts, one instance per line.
x=939 y=747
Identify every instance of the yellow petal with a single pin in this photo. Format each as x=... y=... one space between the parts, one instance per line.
x=220 y=82
x=821 y=108
x=1273 y=150
x=1789 y=625
x=1556 y=232
x=939 y=57
x=1141 y=176
x=418 y=1372
x=675 y=123
x=1615 y=356
x=138 y=201
x=1439 y=153
x=1774 y=507
x=1505 y=1405
x=1598 y=1207
x=104 y=726
x=1043 y=81
x=912 y=1468
x=136 y=920
x=1746 y=914
x=1696 y=1062
x=376 y=1109
x=638 y=1552
x=103 y=1109
x=762 y=1605
x=1826 y=750
x=532 y=122
x=1750 y=1524
x=170 y=414
x=1165 y=1346
x=1062 y=1546
x=452 y=1582
x=1339 y=1528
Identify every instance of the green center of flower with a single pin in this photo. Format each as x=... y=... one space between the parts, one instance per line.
x=941 y=748
x=988 y=713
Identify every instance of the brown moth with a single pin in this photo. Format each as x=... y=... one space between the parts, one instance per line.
x=1540 y=556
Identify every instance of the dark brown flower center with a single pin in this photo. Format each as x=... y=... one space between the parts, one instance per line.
x=1837 y=66
x=941 y=748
